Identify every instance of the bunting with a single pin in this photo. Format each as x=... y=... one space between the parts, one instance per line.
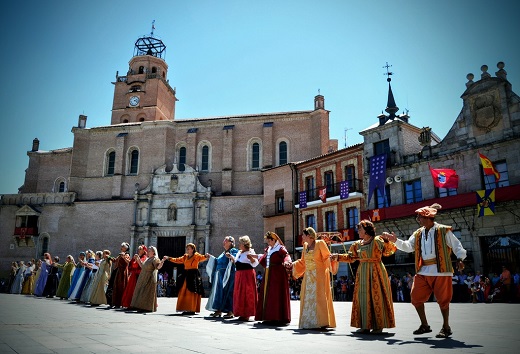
x=444 y=177
x=489 y=168
x=485 y=202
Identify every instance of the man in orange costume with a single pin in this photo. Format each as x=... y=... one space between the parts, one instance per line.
x=433 y=244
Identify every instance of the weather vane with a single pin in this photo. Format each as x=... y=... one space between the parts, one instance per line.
x=153 y=27
x=388 y=73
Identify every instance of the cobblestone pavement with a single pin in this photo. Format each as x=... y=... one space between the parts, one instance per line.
x=39 y=325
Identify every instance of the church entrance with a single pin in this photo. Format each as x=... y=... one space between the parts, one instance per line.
x=171 y=247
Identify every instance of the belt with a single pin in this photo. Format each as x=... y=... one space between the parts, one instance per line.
x=428 y=262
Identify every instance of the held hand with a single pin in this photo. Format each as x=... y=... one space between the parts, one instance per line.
x=334 y=257
x=228 y=255
x=208 y=255
x=460 y=265
x=389 y=236
x=165 y=258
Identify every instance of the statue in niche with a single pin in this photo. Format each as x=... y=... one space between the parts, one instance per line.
x=172 y=213
x=201 y=246
x=174 y=183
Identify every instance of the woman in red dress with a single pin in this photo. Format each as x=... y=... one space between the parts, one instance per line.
x=119 y=275
x=190 y=294
x=274 y=301
x=133 y=270
x=245 y=294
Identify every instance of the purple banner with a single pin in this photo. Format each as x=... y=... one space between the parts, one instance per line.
x=377 y=175
x=343 y=190
x=303 y=200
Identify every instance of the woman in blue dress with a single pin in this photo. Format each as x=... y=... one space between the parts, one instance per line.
x=75 y=294
x=222 y=275
x=42 y=279
x=78 y=273
x=16 y=287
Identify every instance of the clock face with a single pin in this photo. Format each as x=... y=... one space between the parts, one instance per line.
x=134 y=101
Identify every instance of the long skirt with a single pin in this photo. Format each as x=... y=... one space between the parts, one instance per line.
x=16 y=287
x=76 y=277
x=245 y=295
x=129 y=290
x=221 y=297
x=187 y=300
x=80 y=285
x=28 y=285
x=87 y=290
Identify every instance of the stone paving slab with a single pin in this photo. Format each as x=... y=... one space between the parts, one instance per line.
x=38 y=325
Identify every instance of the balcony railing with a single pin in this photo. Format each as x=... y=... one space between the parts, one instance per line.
x=332 y=190
x=278 y=208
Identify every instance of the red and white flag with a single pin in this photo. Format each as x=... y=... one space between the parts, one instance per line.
x=444 y=178
x=323 y=194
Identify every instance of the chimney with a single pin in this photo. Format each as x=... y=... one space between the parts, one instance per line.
x=82 y=121
x=319 y=102
x=36 y=145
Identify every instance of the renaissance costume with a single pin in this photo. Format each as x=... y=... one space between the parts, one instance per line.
x=145 y=294
x=191 y=291
x=316 y=309
x=222 y=283
x=274 y=299
x=372 y=306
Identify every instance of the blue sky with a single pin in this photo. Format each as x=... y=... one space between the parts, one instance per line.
x=242 y=57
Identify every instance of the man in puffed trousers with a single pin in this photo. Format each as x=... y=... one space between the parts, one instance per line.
x=433 y=244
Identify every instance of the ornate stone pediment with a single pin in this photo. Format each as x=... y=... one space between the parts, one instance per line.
x=27 y=210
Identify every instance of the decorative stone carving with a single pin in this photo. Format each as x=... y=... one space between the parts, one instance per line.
x=486 y=111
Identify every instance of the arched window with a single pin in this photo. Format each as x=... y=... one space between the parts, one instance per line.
x=60 y=186
x=204 y=151
x=134 y=162
x=110 y=163
x=282 y=153
x=255 y=158
x=182 y=159
x=45 y=245
x=204 y=166
x=141 y=70
x=154 y=70
x=141 y=119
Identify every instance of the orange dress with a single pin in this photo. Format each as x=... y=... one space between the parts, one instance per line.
x=316 y=308
x=187 y=300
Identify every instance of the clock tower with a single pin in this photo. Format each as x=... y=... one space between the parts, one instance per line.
x=144 y=94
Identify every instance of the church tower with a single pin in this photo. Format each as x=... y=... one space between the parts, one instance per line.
x=144 y=94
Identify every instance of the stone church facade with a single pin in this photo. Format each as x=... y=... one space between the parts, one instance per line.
x=150 y=178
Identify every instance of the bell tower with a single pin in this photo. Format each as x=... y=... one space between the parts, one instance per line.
x=144 y=94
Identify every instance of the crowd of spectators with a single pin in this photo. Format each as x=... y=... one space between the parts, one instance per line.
x=478 y=288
